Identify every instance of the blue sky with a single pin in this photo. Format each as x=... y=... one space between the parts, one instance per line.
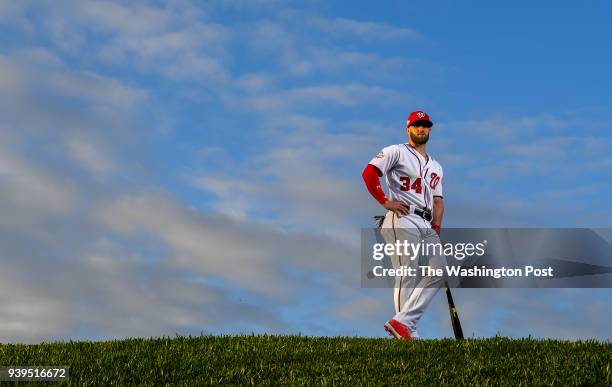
x=171 y=167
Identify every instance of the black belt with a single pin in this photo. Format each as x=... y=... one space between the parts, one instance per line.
x=425 y=214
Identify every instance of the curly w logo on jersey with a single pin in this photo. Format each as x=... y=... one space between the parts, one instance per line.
x=435 y=179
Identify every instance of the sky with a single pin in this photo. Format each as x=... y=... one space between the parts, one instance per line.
x=176 y=167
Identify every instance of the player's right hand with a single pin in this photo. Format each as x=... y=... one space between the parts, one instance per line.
x=398 y=207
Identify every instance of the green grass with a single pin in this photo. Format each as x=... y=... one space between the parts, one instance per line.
x=301 y=360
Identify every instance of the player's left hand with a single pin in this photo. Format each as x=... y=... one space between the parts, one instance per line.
x=437 y=228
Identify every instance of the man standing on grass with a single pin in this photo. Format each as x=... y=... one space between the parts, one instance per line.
x=415 y=208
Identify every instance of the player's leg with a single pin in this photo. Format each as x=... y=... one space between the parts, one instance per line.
x=426 y=289
x=402 y=229
x=398 y=229
x=389 y=234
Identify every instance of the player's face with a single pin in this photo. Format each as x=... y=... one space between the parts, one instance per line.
x=419 y=133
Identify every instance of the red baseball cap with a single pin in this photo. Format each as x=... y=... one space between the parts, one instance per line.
x=418 y=115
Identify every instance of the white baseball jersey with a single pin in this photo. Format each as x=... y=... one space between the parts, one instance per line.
x=411 y=178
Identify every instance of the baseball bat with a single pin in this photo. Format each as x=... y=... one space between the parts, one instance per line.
x=454 y=315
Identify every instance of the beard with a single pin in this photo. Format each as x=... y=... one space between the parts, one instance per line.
x=419 y=139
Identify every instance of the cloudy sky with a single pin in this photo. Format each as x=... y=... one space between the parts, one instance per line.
x=172 y=168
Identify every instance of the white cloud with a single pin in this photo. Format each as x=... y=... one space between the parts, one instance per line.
x=365 y=30
x=300 y=98
x=97 y=289
x=318 y=46
x=91 y=155
x=173 y=40
x=254 y=82
x=11 y=78
x=22 y=73
x=126 y=18
x=510 y=128
x=162 y=40
x=309 y=177
x=247 y=255
x=97 y=89
x=28 y=315
x=28 y=188
x=334 y=27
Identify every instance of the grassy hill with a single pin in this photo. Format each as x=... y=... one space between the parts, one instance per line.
x=302 y=360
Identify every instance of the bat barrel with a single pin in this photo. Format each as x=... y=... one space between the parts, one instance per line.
x=454 y=315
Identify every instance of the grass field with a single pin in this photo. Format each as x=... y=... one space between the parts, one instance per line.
x=301 y=360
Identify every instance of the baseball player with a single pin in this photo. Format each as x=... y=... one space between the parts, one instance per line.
x=414 y=213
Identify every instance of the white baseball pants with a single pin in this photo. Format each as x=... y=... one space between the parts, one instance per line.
x=413 y=294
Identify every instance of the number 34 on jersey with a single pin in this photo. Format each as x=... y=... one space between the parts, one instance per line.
x=416 y=184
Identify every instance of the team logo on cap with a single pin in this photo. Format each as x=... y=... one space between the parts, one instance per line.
x=420 y=114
